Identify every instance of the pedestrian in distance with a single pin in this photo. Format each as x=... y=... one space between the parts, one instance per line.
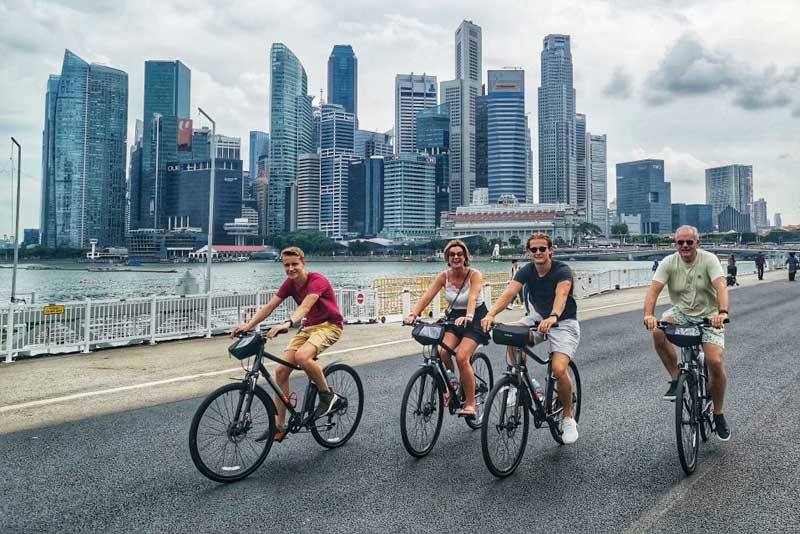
x=655 y=266
x=761 y=261
x=792 y=263
x=518 y=298
x=732 y=270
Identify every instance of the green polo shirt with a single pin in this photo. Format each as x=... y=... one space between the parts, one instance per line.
x=690 y=285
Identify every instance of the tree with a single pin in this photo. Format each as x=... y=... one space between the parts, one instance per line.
x=619 y=229
x=514 y=241
x=590 y=229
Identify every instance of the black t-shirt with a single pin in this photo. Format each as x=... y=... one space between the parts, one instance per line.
x=542 y=290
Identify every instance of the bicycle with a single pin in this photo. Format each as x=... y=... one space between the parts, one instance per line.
x=232 y=430
x=422 y=407
x=694 y=408
x=513 y=399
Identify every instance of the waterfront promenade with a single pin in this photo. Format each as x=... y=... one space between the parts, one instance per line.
x=77 y=470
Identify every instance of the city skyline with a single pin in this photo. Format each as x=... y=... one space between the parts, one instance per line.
x=642 y=100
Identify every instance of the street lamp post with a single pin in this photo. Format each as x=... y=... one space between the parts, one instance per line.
x=16 y=224
x=210 y=198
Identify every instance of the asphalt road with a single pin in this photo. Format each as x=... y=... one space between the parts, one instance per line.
x=131 y=472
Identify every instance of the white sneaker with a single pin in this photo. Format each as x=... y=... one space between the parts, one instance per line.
x=569 y=430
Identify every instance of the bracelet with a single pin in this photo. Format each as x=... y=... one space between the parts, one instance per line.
x=554 y=314
x=469 y=316
x=291 y=323
x=722 y=311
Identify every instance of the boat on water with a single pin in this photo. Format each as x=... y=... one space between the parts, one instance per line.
x=406 y=258
x=431 y=259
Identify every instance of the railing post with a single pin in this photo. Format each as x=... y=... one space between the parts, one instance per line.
x=437 y=306
x=153 y=320
x=208 y=315
x=487 y=294
x=406 y=299
x=33 y=297
x=10 y=335
x=87 y=325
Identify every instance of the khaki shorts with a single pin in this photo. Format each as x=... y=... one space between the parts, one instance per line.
x=715 y=336
x=321 y=336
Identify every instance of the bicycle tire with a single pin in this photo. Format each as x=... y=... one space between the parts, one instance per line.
x=706 y=405
x=336 y=428
x=497 y=427
x=213 y=418
x=424 y=409
x=686 y=425
x=552 y=403
x=481 y=365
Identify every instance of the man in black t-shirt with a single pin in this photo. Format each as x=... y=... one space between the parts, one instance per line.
x=549 y=287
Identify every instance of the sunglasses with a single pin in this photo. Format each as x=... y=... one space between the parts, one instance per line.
x=689 y=242
x=538 y=249
x=455 y=254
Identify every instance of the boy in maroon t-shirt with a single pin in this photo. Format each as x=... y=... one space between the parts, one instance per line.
x=322 y=328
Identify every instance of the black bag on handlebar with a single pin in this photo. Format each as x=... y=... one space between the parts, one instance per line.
x=245 y=347
x=510 y=334
x=428 y=333
x=684 y=335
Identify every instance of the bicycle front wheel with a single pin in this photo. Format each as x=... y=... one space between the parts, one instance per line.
x=552 y=402
x=505 y=427
x=336 y=428
x=421 y=412
x=687 y=429
x=228 y=442
x=484 y=380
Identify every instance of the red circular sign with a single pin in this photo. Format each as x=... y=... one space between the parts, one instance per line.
x=360 y=298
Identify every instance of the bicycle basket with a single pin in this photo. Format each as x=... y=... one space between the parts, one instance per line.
x=684 y=335
x=428 y=333
x=510 y=334
x=245 y=347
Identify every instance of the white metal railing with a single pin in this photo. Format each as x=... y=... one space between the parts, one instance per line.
x=28 y=329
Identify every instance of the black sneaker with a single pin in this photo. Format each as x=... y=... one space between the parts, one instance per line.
x=670 y=394
x=327 y=403
x=721 y=427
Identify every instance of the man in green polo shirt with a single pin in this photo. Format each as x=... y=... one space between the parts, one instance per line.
x=697 y=289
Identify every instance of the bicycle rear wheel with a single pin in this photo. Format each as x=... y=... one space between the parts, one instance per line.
x=226 y=442
x=687 y=429
x=421 y=412
x=504 y=433
x=336 y=428
x=552 y=402
x=484 y=380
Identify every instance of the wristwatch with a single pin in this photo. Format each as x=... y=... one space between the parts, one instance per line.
x=554 y=314
x=722 y=311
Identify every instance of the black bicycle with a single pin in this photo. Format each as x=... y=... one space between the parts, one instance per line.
x=233 y=429
x=423 y=402
x=694 y=408
x=513 y=399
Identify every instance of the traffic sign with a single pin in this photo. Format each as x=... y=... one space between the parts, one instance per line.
x=360 y=299
x=53 y=310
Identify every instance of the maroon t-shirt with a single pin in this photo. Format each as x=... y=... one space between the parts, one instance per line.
x=325 y=309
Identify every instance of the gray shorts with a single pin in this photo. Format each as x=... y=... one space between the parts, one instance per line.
x=564 y=338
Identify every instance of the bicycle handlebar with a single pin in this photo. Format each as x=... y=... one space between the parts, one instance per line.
x=706 y=322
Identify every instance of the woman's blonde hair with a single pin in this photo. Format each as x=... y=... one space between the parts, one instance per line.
x=456 y=243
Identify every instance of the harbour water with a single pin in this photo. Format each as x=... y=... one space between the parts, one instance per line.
x=63 y=285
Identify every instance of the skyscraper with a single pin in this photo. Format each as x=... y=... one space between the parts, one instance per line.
x=731 y=185
x=48 y=208
x=308 y=192
x=83 y=155
x=642 y=191
x=597 y=181
x=529 y=196
x=259 y=147
x=290 y=130
x=582 y=185
x=433 y=139
x=557 y=150
x=482 y=142
x=460 y=94
x=343 y=79
x=336 y=154
x=167 y=93
x=778 y=221
x=365 y=197
x=409 y=185
x=367 y=144
x=506 y=134
x=412 y=94
x=760 y=214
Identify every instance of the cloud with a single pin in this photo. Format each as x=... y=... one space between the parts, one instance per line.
x=690 y=69
x=619 y=86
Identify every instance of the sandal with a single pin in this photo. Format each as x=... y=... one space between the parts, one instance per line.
x=466 y=412
x=281 y=433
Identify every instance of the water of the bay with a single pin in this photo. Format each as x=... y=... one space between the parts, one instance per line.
x=64 y=285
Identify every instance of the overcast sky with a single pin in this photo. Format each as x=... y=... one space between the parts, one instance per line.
x=699 y=84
